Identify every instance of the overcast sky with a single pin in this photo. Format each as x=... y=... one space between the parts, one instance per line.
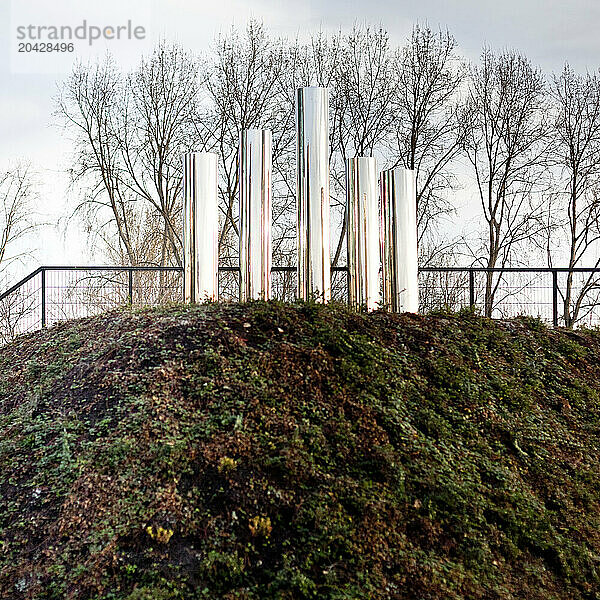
x=550 y=32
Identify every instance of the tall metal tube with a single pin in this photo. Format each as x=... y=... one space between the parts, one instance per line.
x=362 y=232
x=312 y=115
x=200 y=227
x=399 y=240
x=255 y=214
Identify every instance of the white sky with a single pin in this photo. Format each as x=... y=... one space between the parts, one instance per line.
x=548 y=31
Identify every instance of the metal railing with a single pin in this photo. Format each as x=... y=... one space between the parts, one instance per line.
x=532 y=291
x=51 y=294
x=55 y=293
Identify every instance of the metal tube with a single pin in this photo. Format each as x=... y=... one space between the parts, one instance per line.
x=312 y=115
x=255 y=214
x=362 y=234
x=201 y=227
x=399 y=240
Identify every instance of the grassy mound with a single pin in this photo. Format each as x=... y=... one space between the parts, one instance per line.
x=265 y=451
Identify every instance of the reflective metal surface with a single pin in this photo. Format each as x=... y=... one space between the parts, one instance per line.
x=255 y=214
x=399 y=240
x=200 y=227
x=362 y=232
x=312 y=155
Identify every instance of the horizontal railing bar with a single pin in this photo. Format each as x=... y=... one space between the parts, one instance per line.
x=23 y=281
x=173 y=269
x=509 y=269
x=292 y=269
x=108 y=268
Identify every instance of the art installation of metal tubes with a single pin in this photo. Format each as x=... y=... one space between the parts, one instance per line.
x=399 y=240
x=255 y=214
x=362 y=232
x=312 y=114
x=201 y=227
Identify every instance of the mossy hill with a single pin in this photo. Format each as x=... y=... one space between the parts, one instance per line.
x=264 y=450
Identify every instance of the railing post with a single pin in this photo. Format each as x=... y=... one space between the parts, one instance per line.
x=43 y=291
x=130 y=286
x=471 y=289
x=555 y=298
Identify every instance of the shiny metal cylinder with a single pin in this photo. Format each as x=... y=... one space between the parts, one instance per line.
x=200 y=227
x=362 y=232
x=399 y=240
x=255 y=214
x=312 y=155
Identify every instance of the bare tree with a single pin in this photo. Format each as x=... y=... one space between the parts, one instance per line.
x=130 y=132
x=161 y=106
x=16 y=222
x=505 y=143
x=17 y=191
x=16 y=313
x=242 y=89
x=365 y=86
x=427 y=133
x=89 y=102
x=577 y=151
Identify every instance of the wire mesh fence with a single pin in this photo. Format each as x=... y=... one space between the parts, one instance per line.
x=506 y=293
x=82 y=292
x=559 y=296
x=582 y=305
x=568 y=297
x=21 y=307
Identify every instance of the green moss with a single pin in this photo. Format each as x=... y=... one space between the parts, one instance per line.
x=299 y=451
